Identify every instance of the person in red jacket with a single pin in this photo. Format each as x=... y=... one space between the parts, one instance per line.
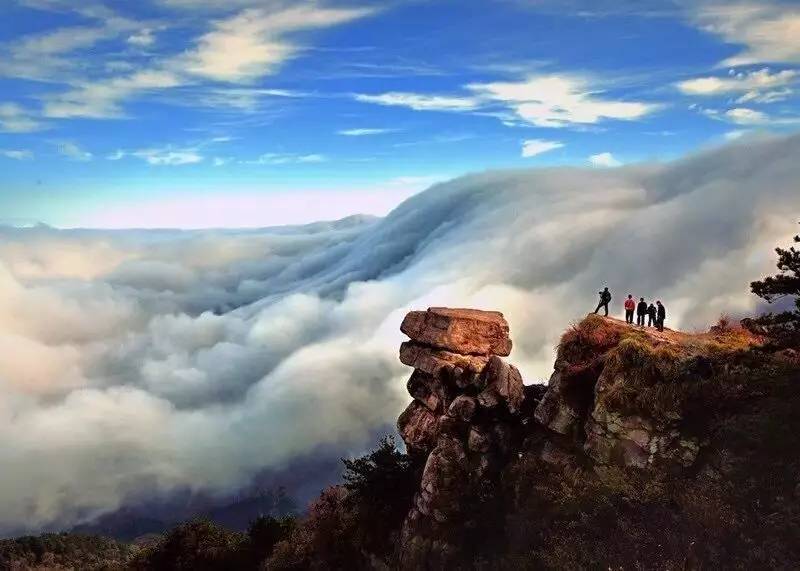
x=630 y=306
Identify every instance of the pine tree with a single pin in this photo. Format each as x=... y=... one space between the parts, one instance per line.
x=782 y=328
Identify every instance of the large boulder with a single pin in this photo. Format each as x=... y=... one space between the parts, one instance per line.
x=445 y=365
x=465 y=331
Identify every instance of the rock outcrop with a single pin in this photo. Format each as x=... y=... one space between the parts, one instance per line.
x=620 y=397
x=465 y=413
x=619 y=393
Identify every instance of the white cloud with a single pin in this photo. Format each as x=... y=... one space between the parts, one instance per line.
x=560 y=101
x=17 y=154
x=533 y=147
x=745 y=116
x=735 y=134
x=239 y=49
x=73 y=151
x=221 y=161
x=544 y=101
x=604 y=160
x=168 y=156
x=287 y=158
x=143 y=38
x=255 y=42
x=421 y=102
x=42 y=56
x=45 y=56
x=767 y=30
x=247 y=99
x=216 y=5
x=767 y=96
x=101 y=99
x=15 y=119
x=760 y=85
x=164 y=156
x=365 y=132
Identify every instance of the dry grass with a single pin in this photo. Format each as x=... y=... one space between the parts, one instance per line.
x=584 y=340
x=650 y=370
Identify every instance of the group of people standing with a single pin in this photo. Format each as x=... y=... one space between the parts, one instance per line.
x=654 y=314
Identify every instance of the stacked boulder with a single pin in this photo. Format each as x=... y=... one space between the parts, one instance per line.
x=467 y=403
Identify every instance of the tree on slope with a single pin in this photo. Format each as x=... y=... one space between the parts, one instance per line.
x=784 y=327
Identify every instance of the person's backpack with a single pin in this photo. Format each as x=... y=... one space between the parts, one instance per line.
x=606 y=296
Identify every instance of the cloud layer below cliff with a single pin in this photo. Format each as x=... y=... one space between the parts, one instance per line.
x=137 y=364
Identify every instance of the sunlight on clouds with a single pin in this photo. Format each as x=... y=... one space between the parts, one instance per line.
x=604 y=160
x=544 y=101
x=745 y=116
x=768 y=30
x=254 y=43
x=238 y=49
x=759 y=85
x=560 y=101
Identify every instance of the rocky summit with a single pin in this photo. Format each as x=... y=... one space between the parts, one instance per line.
x=626 y=408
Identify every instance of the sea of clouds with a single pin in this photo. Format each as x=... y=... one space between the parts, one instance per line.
x=138 y=364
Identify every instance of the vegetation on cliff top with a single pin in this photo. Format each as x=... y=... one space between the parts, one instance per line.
x=783 y=328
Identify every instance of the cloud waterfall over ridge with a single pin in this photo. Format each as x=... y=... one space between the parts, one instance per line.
x=134 y=364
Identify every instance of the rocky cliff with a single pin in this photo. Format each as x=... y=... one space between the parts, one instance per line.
x=624 y=407
x=464 y=416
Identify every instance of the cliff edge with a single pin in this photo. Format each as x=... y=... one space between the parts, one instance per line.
x=630 y=416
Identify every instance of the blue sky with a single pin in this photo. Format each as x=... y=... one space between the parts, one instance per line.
x=188 y=113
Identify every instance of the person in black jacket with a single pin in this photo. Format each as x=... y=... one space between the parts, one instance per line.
x=605 y=299
x=661 y=315
x=651 y=315
x=641 y=312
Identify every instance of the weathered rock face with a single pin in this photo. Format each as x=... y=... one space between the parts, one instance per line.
x=445 y=365
x=619 y=431
x=634 y=435
x=467 y=403
x=569 y=396
x=464 y=331
x=609 y=402
x=613 y=439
